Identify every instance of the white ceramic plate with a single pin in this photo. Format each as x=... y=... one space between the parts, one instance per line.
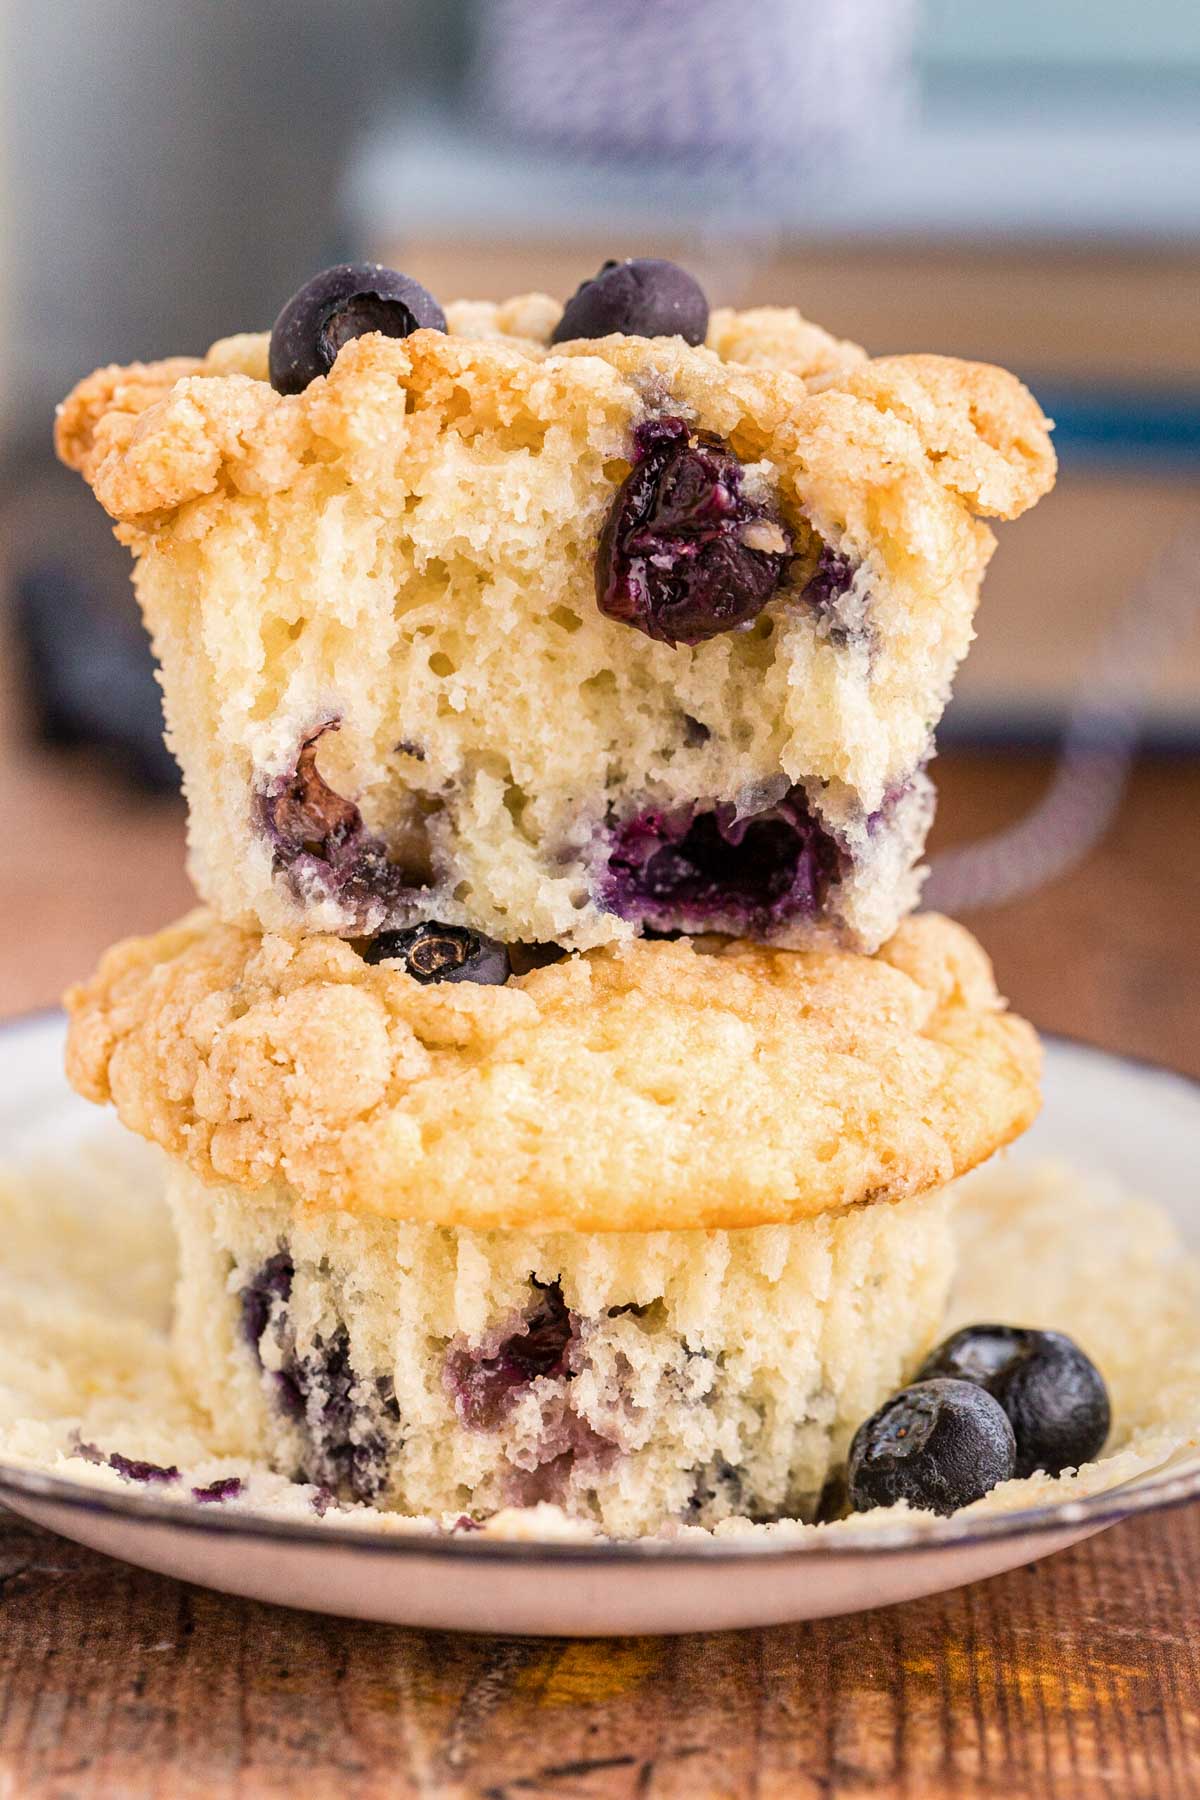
x=1138 y=1123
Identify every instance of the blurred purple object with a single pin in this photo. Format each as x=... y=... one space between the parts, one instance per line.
x=779 y=85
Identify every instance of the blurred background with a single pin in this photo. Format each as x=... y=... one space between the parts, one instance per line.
x=1019 y=184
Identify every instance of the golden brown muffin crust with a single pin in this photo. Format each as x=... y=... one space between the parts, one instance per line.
x=647 y=1086
x=150 y=437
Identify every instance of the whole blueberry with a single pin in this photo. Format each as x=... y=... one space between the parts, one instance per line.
x=685 y=553
x=938 y=1444
x=341 y=303
x=433 y=953
x=641 y=297
x=975 y=1353
x=1054 y=1395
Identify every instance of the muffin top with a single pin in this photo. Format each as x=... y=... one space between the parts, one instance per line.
x=150 y=437
x=646 y=1086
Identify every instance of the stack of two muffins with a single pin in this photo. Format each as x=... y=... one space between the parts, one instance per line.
x=559 y=1100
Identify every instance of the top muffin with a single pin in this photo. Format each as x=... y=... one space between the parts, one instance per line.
x=557 y=638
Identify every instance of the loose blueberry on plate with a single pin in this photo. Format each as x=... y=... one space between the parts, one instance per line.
x=685 y=553
x=1054 y=1395
x=937 y=1444
x=834 y=1500
x=229 y=1488
x=133 y=1469
x=641 y=297
x=432 y=953
x=339 y=304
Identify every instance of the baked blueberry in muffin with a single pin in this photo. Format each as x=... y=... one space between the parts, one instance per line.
x=556 y=625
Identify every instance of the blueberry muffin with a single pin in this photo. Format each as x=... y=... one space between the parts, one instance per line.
x=630 y=1378
x=645 y=1231
x=561 y=626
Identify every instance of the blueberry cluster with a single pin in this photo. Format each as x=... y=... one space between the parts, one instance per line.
x=991 y=1403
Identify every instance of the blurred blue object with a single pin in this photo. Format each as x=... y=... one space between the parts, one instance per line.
x=90 y=673
x=1116 y=425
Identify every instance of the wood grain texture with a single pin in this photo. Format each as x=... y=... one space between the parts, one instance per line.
x=1075 y=1678
x=1110 y=952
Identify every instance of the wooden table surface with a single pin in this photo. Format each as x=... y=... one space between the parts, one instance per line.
x=1072 y=1678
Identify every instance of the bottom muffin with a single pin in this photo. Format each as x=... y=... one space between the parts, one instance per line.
x=630 y=1378
x=644 y=1233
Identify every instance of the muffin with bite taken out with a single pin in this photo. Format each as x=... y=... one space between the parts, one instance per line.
x=559 y=625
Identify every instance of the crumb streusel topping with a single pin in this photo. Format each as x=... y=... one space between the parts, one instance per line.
x=643 y=1087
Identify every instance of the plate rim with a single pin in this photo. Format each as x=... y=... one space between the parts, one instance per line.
x=1091 y=1513
x=1094 y=1511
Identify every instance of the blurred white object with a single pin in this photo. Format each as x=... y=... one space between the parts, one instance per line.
x=780 y=86
x=985 y=169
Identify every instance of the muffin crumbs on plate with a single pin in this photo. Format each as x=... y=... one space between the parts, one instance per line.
x=85 y=1360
